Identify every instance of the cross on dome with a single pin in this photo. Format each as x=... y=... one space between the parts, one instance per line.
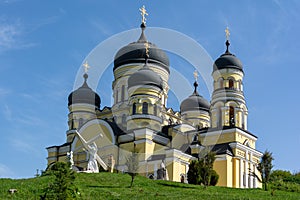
x=227 y=32
x=143 y=13
x=196 y=75
x=86 y=66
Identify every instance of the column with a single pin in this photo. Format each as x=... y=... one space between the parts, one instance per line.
x=241 y=173
x=246 y=170
x=250 y=171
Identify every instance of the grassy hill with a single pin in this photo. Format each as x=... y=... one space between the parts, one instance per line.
x=116 y=186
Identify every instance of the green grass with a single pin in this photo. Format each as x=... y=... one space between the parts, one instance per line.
x=116 y=186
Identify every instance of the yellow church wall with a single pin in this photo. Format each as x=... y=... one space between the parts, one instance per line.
x=220 y=166
x=224 y=167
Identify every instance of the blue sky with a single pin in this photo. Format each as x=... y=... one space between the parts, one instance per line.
x=43 y=43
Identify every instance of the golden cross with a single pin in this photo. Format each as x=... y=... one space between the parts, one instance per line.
x=86 y=66
x=227 y=33
x=147 y=48
x=196 y=75
x=143 y=13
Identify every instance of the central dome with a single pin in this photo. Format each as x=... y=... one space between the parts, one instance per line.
x=135 y=53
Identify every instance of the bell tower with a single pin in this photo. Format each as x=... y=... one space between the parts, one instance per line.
x=228 y=105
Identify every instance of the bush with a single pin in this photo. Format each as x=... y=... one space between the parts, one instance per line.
x=62 y=185
x=214 y=178
x=193 y=173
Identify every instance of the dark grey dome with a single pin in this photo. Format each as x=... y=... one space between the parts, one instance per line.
x=228 y=60
x=194 y=102
x=84 y=94
x=135 y=53
x=145 y=76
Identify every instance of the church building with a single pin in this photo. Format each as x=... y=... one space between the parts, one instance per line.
x=140 y=121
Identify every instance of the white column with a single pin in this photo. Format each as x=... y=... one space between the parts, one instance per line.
x=250 y=170
x=246 y=170
x=241 y=173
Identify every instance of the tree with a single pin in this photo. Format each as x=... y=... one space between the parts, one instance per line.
x=264 y=167
x=206 y=167
x=201 y=171
x=132 y=164
x=280 y=175
x=193 y=173
x=62 y=185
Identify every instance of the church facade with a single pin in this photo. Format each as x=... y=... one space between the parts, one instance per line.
x=139 y=120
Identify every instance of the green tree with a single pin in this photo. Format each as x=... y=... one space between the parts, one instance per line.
x=132 y=164
x=62 y=185
x=277 y=175
x=264 y=167
x=201 y=171
x=193 y=173
x=206 y=167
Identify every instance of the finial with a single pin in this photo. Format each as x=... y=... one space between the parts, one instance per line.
x=86 y=66
x=196 y=75
x=227 y=32
x=195 y=83
x=143 y=13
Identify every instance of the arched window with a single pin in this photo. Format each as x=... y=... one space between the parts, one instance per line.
x=123 y=93
x=231 y=116
x=123 y=119
x=134 y=108
x=145 y=108
x=231 y=84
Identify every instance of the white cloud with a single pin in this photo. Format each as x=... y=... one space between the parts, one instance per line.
x=11 y=34
x=5 y=172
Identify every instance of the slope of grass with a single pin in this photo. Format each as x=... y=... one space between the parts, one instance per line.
x=116 y=186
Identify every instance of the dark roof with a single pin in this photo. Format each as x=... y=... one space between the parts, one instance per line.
x=157 y=157
x=135 y=53
x=228 y=60
x=84 y=94
x=145 y=76
x=59 y=146
x=222 y=149
x=194 y=102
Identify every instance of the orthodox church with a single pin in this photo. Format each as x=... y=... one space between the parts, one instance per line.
x=139 y=120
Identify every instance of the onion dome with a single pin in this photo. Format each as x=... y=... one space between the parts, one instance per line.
x=135 y=53
x=145 y=76
x=195 y=102
x=228 y=60
x=84 y=94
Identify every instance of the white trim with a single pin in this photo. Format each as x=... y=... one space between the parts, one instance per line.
x=245 y=148
x=144 y=116
x=218 y=132
x=221 y=157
